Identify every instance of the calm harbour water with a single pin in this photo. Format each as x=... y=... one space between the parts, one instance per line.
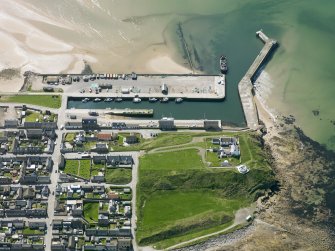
x=302 y=69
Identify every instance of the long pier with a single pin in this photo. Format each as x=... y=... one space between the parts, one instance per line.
x=245 y=86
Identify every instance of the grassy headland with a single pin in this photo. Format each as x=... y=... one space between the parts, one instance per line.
x=179 y=198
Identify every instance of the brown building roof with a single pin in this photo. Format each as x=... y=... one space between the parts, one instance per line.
x=104 y=136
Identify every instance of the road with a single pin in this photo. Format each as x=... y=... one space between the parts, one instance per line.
x=54 y=176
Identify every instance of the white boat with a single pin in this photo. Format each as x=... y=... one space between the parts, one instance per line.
x=85 y=100
x=97 y=100
x=118 y=100
x=165 y=100
x=179 y=100
x=153 y=100
x=137 y=100
x=108 y=100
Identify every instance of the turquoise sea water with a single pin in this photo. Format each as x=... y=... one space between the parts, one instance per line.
x=302 y=68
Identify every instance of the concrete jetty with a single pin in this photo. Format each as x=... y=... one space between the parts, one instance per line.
x=245 y=86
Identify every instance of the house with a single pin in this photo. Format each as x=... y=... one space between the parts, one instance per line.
x=99 y=159
x=124 y=243
x=113 y=196
x=32 y=125
x=11 y=123
x=118 y=160
x=115 y=135
x=40 y=125
x=98 y=178
x=5 y=180
x=227 y=141
x=77 y=211
x=103 y=220
x=73 y=125
x=28 y=193
x=34 y=133
x=235 y=150
x=112 y=246
x=89 y=123
x=104 y=136
x=37 y=225
x=61 y=163
x=166 y=124
x=216 y=141
x=57 y=224
x=50 y=133
x=51 y=79
x=4 y=138
x=101 y=147
x=212 y=125
x=131 y=139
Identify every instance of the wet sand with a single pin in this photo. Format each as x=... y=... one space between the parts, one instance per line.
x=25 y=44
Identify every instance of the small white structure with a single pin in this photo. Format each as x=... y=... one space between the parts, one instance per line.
x=242 y=169
x=125 y=90
x=248 y=218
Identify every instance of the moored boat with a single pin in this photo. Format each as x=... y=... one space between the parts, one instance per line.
x=137 y=100
x=153 y=100
x=108 y=100
x=97 y=100
x=85 y=100
x=179 y=100
x=164 y=100
x=223 y=64
x=118 y=100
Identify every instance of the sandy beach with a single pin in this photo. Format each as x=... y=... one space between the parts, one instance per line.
x=165 y=64
x=26 y=44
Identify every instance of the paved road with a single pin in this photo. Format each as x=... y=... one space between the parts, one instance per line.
x=54 y=176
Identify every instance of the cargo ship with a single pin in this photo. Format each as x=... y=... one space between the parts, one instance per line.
x=223 y=64
x=127 y=112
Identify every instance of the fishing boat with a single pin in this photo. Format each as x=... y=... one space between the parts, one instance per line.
x=97 y=100
x=137 y=100
x=223 y=64
x=118 y=100
x=85 y=100
x=153 y=100
x=165 y=100
x=108 y=100
x=179 y=100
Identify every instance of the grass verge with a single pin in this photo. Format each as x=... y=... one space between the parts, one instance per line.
x=91 y=211
x=51 y=101
x=118 y=176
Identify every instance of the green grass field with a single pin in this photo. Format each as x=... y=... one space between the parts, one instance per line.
x=170 y=209
x=91 y=211
x=33 y=117
x=118 y=176
x=183 y=159
x=51 y=101
x=179 y=198
x=185 y=214
x=85 y=168
x=70 y=137
x=71 y=167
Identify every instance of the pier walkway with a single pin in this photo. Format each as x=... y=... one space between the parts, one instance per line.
x=245 y=86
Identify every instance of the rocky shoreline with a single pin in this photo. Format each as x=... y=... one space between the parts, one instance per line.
x=299 y=216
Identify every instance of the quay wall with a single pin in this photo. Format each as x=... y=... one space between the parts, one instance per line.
x=245 y=86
